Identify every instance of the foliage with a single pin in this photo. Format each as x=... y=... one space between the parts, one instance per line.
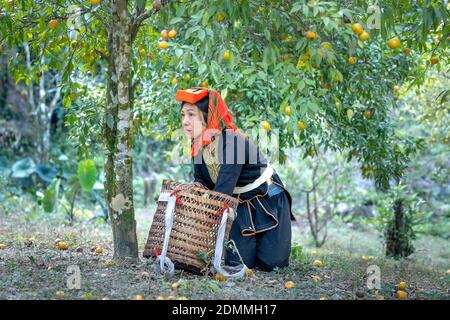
x=411 y=206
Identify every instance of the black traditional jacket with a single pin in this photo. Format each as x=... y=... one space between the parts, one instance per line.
x=230 y=160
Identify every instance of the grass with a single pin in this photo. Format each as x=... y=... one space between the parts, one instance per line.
x=33 y=268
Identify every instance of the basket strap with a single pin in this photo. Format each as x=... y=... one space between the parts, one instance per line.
x=240 y=269
x=170 y=212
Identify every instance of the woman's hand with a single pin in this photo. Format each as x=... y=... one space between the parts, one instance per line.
x=199 y=185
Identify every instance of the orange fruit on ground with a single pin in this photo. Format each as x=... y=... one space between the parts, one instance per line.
x=174 y=286
x=289 y=285
x=352 y=60
x=323 y=298
x=60 y=294
x=99 y=250
x=434 y=60
x=182 y=298
x=249 y=273
x=226 y=55
x=357 y=28
x=364 y=36
x=3 y=246
x=160 y=298
x=287 y=110
x=170 y=298
x=402 y=295
x=394 y=43
x=402 y=286
x=318 y=263
x=301 y=125
x=139 y=297
x=265 y=125
x=316 y=278
x=163 y=45
x=220 y=277
x=95 y=2
x=172 y=34
x=311 y=35
x=406 y=51
x=53 y=23
x=62 y=245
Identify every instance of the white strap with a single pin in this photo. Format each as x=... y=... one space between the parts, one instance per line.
x=170 y=211
x=268 y=172
x=240 y=269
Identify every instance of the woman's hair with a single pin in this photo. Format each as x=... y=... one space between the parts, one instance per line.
x=203 y=105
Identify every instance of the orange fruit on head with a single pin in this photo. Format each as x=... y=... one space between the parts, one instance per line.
x=165 y=34
x=364 y=36
x=163 y=45
x=352 y=60
x=394 y=43
x=172 y=34
x=53 y=23
x=357 y=28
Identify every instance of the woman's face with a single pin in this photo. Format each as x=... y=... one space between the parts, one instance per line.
x=192 y=120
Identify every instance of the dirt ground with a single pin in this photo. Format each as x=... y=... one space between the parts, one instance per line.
x=32 y=267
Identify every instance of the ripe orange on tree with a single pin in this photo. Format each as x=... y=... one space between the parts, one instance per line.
x=394 y=43
x=357 y=28
x=53 y=23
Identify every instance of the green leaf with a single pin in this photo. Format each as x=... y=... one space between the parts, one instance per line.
x=87 y=174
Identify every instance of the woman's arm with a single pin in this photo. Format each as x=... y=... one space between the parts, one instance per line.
x=230 y=169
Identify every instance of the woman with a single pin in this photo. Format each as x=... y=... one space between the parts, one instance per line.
x=226 y=161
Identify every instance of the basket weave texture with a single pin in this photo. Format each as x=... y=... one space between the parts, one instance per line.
x=196 y=221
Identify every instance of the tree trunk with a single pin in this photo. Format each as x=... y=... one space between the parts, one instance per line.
x=119 y=178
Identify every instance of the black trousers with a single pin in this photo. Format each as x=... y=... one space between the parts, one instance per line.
x=265 y=250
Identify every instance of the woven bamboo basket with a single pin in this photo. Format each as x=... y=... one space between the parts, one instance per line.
x=196 y=222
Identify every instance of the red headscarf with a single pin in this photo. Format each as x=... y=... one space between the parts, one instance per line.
x=217 y=110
